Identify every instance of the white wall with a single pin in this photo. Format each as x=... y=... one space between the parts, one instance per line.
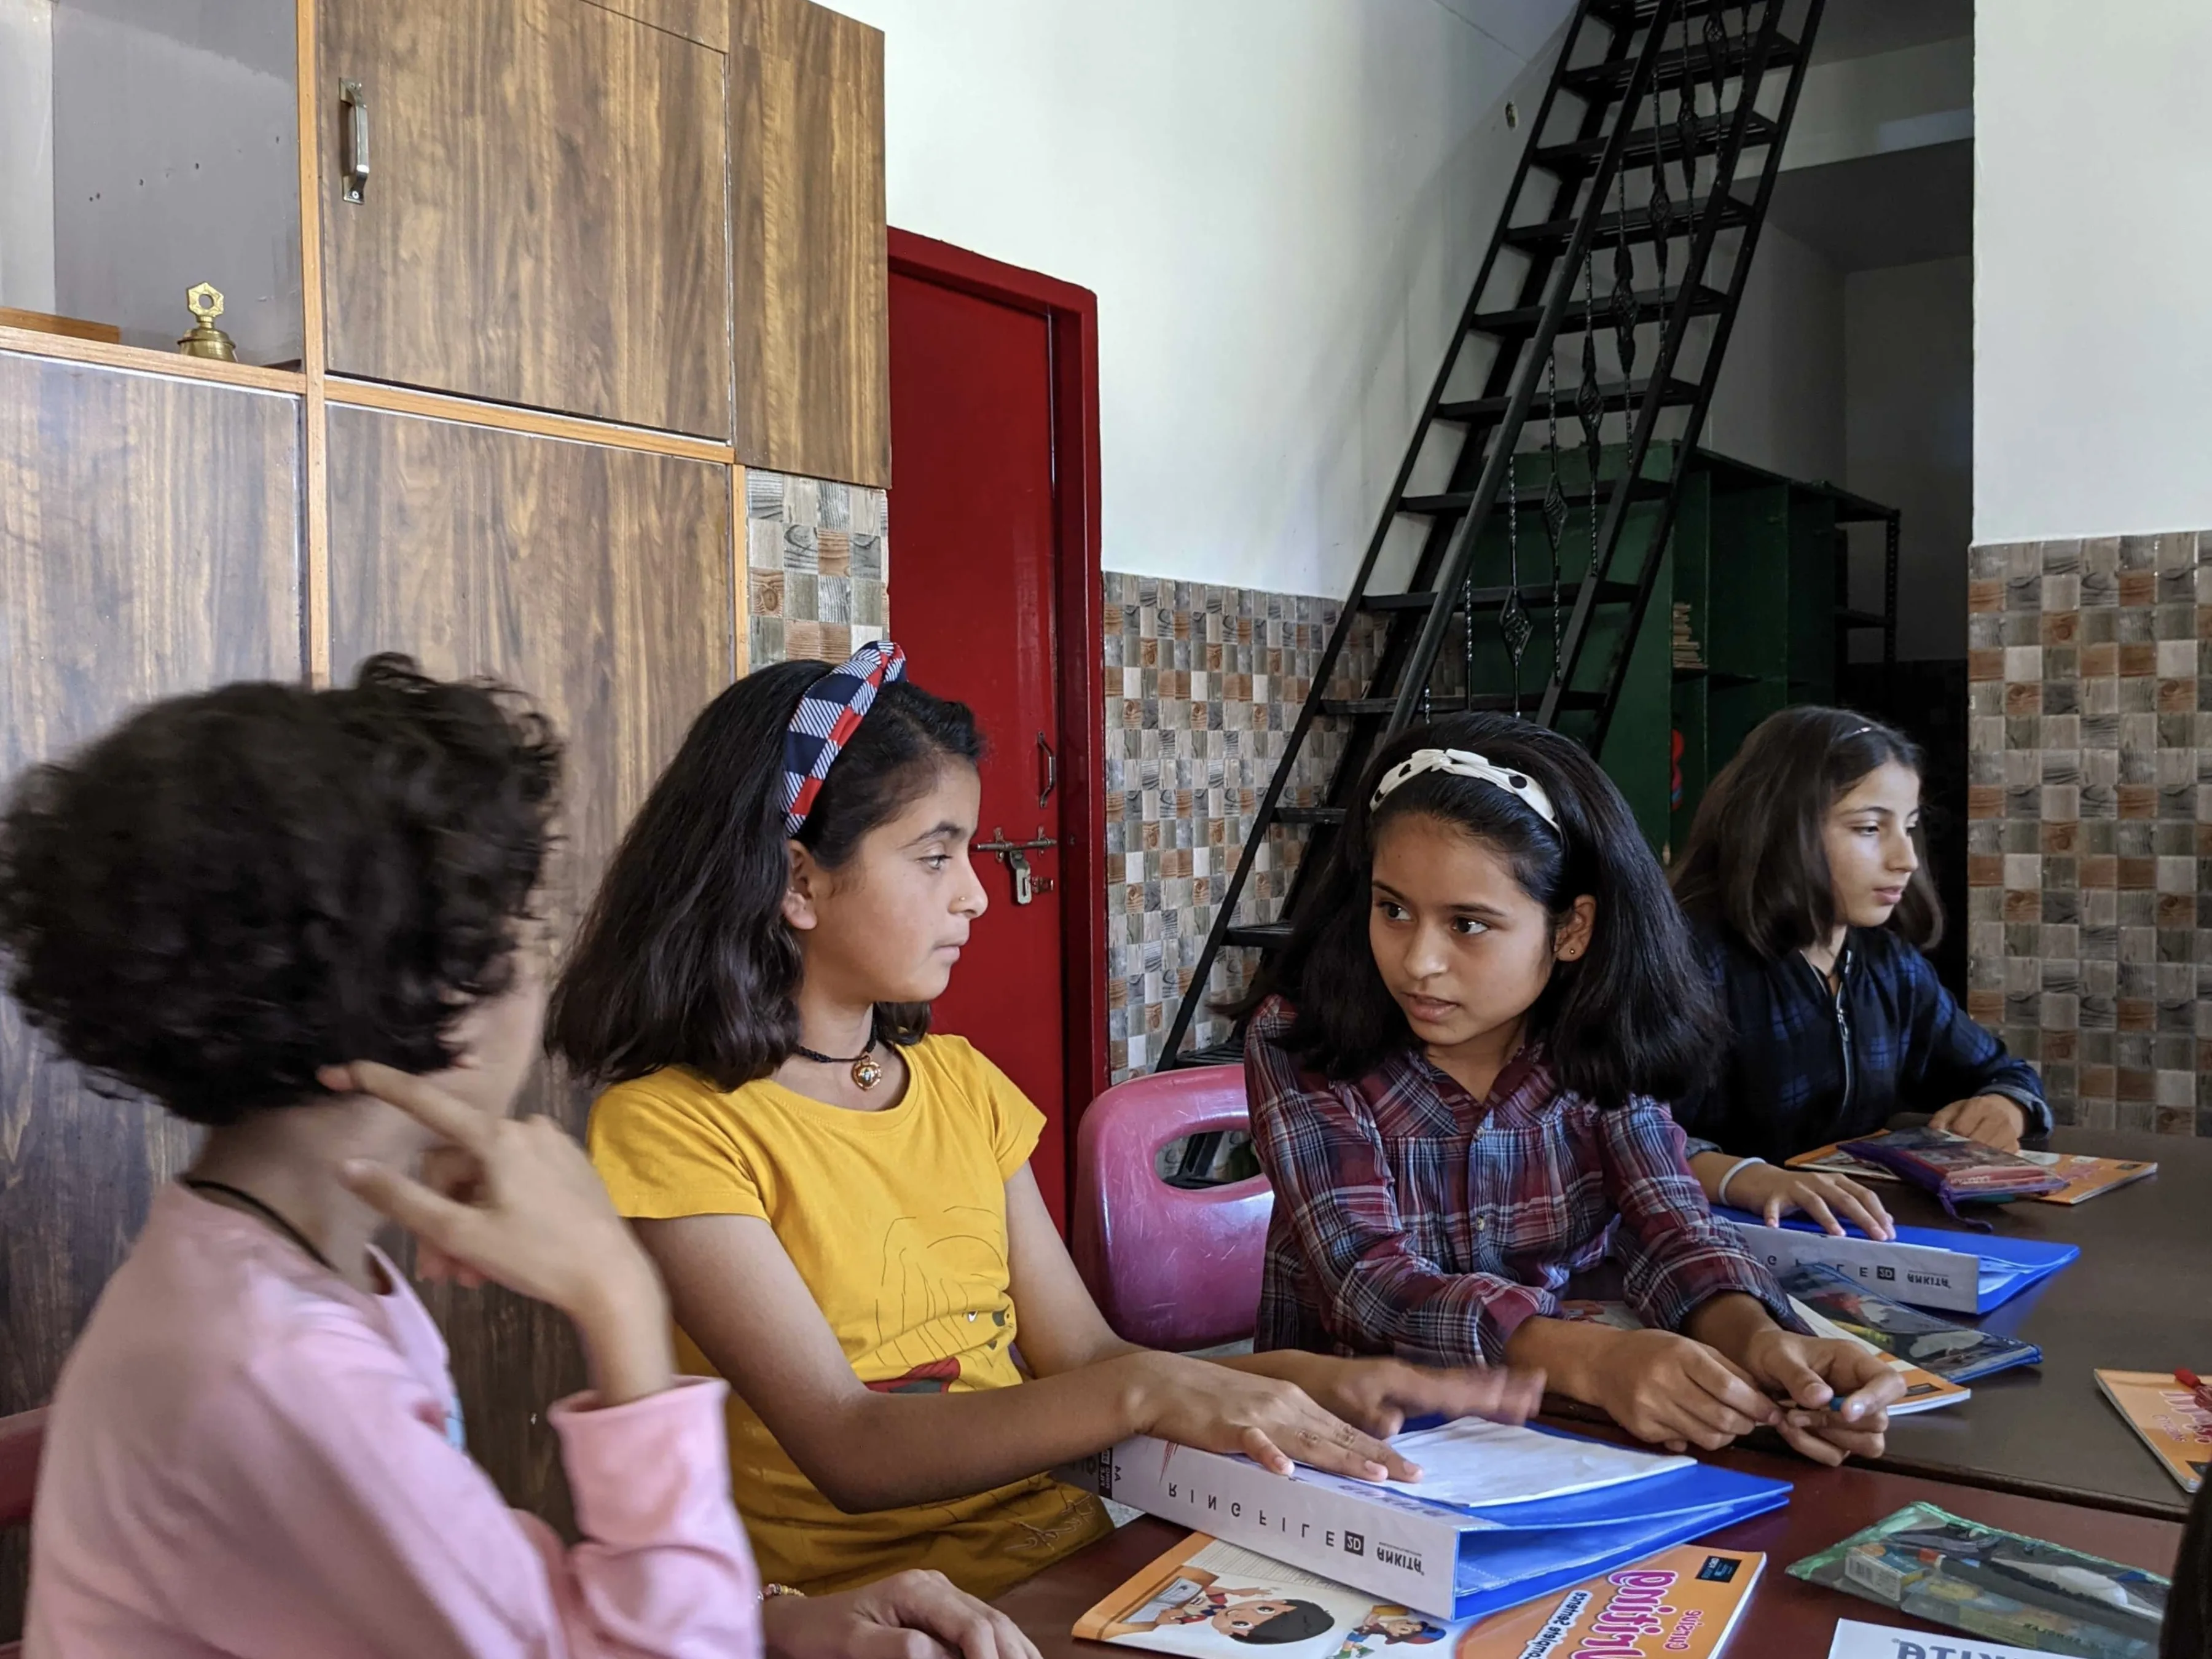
x=1280 y=205
x=1909 y=434
x=176 y=161
x=2093 y=319
x=26 y=155
x=1885 y=101
x=1779 y=401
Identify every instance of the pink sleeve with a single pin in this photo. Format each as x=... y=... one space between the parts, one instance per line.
x=336 y=1479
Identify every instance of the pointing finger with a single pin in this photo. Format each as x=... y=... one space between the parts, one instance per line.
x=432 y=1106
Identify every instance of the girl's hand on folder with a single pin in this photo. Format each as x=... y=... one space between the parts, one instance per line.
x=1215 y=1408
x=1838 y=1394
x=1677 y=1392
x=1379 y=1396
x=1774 y=1193
x=1994 y=1120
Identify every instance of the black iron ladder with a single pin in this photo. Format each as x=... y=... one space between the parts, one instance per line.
x=1604 y=309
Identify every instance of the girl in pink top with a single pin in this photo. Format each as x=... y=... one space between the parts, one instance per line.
x=255 y=1448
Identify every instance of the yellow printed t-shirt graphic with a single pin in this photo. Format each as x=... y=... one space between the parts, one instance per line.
x=896 y=1220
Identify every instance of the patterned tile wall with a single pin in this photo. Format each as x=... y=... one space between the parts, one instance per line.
x=816 y=565
x=1203 y=684
x=2089 y=831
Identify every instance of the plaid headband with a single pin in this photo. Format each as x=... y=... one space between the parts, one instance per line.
x=828 y=713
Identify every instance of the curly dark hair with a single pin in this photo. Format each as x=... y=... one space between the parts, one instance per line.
x=232 y=888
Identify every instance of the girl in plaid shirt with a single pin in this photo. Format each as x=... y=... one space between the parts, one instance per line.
x=1457 y=1094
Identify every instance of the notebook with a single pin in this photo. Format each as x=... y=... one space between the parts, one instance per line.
x=2167 y=1417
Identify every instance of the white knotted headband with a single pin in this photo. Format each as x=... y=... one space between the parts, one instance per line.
x=1465 y=764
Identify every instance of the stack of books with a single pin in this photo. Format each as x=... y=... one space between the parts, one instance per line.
x=1687 y=654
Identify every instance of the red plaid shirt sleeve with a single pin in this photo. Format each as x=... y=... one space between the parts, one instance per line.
x=1379 y=1293
x=1674 y=1255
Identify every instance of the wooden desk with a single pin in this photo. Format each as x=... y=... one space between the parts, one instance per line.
x=2139 y=1298
x=1788 y=1619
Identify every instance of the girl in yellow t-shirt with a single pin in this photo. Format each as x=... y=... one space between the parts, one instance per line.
x=840 y=1203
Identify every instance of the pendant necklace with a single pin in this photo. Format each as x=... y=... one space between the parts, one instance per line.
x=867 y=1071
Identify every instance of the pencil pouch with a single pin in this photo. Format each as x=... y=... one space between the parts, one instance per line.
x=2000 y=1586
x=1957 y=1170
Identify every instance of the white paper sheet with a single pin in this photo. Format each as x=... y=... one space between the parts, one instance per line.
x=1472 y=1463
x=1855 y=1640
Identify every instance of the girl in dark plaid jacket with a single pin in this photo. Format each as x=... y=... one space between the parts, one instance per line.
x=1456 y=1074
x=1805 y=882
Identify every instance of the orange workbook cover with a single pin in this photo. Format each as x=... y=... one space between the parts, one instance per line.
x=1210 y=1600
x=2178 y=1431
x=2086 y=1177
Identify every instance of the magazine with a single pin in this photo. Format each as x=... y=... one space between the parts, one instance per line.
x=1208 y=1600
x=1957 y=1353
x=2086 y=1177
x=1932 y=1564
x=2167 y=1417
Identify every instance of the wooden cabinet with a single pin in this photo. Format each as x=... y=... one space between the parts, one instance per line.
x=599 y=580
x=545 y=217
x=149 y=546
x=567 y=204
x=812 y=335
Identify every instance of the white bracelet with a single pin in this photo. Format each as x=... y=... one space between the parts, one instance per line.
x=1719 y=1192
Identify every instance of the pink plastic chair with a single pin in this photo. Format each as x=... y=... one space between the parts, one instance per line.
x=21 y=1438
x=1171 y=1267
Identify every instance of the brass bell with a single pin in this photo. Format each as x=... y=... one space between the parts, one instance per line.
x=206 y=340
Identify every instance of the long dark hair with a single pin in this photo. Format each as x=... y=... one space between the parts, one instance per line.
x=685 y=958
x=2188 y=1630
x=1633 y=1016
x=1755 y=862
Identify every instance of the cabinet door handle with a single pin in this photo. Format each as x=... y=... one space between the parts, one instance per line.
x=1048 y=771
x=353 y=139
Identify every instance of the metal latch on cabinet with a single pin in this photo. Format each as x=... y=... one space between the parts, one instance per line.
x=1015 y=854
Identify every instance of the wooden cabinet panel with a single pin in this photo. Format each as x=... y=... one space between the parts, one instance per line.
x=812 y=344
x=149 y=546
x=706 y=21
x=545 y=217
x=598 y=580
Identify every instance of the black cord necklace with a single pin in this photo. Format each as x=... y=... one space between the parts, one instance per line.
x=867 y=1071
x=254 y=1204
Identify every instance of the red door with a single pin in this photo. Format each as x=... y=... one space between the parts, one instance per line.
x=973 y=568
